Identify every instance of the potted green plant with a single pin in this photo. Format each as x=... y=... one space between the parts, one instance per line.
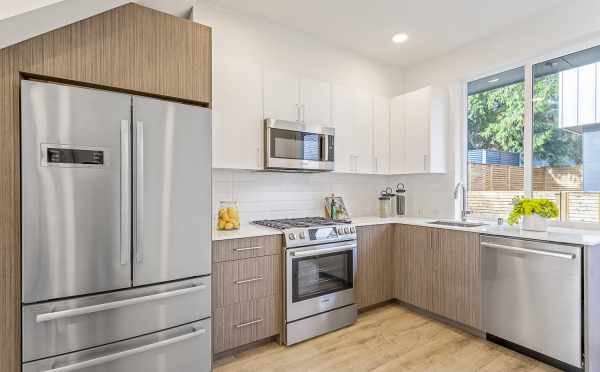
x=534 y=213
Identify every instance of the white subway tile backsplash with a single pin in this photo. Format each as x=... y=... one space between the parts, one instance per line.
x=268 y=195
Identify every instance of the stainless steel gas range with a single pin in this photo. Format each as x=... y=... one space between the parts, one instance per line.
x=319 y=276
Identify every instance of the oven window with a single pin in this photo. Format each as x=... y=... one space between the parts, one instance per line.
x=289 y=144
x=316 y=276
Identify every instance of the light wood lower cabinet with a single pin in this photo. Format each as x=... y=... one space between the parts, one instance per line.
x=246 y=322
x=243 y=280
x=247 y=291
x=439 y=270
x=374 y=267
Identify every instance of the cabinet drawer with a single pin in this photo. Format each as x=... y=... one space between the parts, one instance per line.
x=244 y=280
x=246 y=322
x=237 y=249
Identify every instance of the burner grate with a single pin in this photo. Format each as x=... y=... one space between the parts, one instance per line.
x=287 y=223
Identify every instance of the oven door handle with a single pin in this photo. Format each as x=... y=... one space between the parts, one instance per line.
x=318 y=252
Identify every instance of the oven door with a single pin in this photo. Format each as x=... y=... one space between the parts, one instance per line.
x=319 y=278
x=295 y=146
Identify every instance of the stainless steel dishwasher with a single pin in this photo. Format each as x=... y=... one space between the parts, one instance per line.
x=532 y=297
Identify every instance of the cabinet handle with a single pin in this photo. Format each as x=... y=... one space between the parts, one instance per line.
x=425 y=163
x=260 y=320
x=298 y=113
x=247 y=249
x=302 y=113
x=258 y=278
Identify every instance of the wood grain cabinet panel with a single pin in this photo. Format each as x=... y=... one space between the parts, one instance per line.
x=237 y=249
x=246 y=322
x=439 y=271
x=374 y=267
x=243 y=280
x=456 y=276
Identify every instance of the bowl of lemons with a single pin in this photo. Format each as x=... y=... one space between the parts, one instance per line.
x=228 y=216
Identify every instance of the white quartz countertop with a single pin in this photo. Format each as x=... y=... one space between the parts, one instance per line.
x=554 y=234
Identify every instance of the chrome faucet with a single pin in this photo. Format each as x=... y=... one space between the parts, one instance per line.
x=464 y=212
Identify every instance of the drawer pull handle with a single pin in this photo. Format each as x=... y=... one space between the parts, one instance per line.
x=117 y=304
x=247 y=249
x=260 y=320
x=238 y=282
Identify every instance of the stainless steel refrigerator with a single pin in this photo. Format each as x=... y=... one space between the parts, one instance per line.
x=116 y=232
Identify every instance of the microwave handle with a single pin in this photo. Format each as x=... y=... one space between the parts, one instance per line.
x=325 y=147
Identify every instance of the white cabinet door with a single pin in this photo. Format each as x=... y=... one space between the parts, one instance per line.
x=397 y=162
x=315 y=97
x=237 y=115
x=417 y=112
x=381 y=134
x=343 y=121
x=281 y=95
x=363 y=133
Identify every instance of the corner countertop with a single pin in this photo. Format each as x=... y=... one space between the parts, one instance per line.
x=554 y=234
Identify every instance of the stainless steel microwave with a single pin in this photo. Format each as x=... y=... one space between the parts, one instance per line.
x=291 y=146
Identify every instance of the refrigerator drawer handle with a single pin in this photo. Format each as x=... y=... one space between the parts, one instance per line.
x=238 y=282
x=260 y=320
x=129 y=352
x=567 y=256
x=116 y=304
x=316 y=252
x=247 y=249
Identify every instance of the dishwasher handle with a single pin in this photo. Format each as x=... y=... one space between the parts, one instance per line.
x=566 y=256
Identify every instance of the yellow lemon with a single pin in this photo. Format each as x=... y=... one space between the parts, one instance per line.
x=221 y=224
x=236 y=224
x=222 y=211
x=228 y=226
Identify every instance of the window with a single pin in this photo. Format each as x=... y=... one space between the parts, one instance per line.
x=566 y=134
x=495 y=143
x=565 y=146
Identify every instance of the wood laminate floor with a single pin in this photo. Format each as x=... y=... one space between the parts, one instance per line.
x=389 y=338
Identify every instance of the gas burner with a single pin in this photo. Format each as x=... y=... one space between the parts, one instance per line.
x=306 y=231
x=288 y=223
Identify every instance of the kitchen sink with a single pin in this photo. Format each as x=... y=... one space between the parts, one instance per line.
x=458 y=223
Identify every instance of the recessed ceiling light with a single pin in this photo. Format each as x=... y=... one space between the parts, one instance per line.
x=399 y=38
x=494 y=80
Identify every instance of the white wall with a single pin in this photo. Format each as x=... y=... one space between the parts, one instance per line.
x=555 y=32
x=256 y=42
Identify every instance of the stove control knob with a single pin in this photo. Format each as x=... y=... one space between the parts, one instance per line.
x=340 y=230
x=352 y=230
x=346 y=230
x=301 y=235
x=291 y=236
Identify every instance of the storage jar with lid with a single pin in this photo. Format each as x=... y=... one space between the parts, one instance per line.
x=228 y=217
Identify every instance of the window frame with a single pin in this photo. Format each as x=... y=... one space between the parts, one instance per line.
x=462 y=171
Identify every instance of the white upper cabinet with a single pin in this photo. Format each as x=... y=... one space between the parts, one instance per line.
x=281 y=95
x=315 y=100
x=291 y=98
x=419 y=131
x=362 y=133
x=381 y=134
x=342 y=107
x=237 y=115
x=397 y=135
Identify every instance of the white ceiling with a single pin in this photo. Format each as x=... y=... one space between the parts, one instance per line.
x=435 y=27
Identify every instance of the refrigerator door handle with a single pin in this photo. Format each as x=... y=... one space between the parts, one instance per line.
x=129 y=352
x=125 y=192
x=139 y=186
x=116 y=304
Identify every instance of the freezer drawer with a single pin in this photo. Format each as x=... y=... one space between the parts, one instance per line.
x=182 y=349
x=532 y=296
x=172 y=203
x=65 y=326
x=75 y=190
